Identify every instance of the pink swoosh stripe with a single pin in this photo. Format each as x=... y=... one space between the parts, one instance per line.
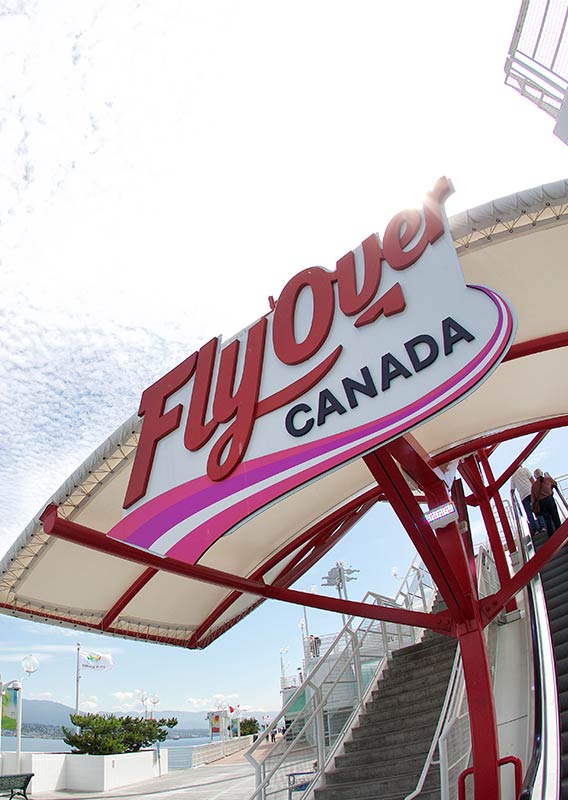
x=147 y=523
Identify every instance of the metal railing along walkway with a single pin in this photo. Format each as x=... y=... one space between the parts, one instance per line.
x=321 y=711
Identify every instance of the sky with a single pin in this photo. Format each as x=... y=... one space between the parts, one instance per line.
x=165 y=168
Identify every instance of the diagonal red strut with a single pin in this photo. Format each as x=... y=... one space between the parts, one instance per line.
x=96 y=540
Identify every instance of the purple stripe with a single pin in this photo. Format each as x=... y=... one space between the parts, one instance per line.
x=168 y=510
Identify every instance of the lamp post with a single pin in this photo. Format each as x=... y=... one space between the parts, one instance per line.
x=338 y=576
x=154 y=699
x=29 y=664
x=143 y=696
x=301 y=626
x=283 y=651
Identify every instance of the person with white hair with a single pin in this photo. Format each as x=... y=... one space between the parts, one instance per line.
x=543 y=502
x=522 y=481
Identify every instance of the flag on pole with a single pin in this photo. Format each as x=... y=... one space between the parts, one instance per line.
x=88 y=659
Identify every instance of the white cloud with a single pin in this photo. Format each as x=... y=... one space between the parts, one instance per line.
x=127 y=701
x=40 y=695
x=212 y=702
x=90 y=703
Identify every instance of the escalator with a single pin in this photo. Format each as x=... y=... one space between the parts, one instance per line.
x=554 y=579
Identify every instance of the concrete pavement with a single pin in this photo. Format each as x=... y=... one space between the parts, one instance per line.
x=231 y=777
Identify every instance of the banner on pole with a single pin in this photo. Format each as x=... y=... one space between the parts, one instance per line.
x=9 y=709
x=88 y=659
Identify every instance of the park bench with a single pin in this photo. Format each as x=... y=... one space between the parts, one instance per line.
x=15 y=784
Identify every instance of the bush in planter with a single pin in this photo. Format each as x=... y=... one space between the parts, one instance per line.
x=249 y=725
x=105 y=734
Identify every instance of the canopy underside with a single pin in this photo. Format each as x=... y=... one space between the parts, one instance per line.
x=516 y=246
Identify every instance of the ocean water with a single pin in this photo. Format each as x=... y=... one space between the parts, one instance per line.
x=32 y=745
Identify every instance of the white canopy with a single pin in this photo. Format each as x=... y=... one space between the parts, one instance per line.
x=516 y=245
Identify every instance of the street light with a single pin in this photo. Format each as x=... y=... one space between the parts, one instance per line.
x=312 y=590
x=154 y=699
x=283 y=651
x=339 y=576
x=143 y=696
x=29 y=664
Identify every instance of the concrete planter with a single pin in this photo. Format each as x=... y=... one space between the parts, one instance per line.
x=82 y=773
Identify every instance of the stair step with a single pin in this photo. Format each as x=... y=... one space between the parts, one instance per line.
x=440 y=643
x=426 y=660
x=393 y=788
x=398 y=723
x=558 y=606
x=379 y=771
x=388 y=749
x=379 y=739
x=560 y=636
x=401 y=703
x=423 y=682
x=555 y=590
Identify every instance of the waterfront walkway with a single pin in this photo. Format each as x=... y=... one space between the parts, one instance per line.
x=230 y=778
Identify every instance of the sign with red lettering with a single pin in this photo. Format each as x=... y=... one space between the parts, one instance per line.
x=346 y=360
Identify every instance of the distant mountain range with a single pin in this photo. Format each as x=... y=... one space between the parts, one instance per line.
x=46 y=712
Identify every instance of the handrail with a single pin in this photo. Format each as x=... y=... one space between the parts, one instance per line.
x=450 y=707
x=516 y=762
x=344 y=660
x=317 y=709
x=542 y=774
x=456 y=668
x=319 y=666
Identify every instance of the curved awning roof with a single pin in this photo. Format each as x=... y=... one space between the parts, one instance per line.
x=516 y=245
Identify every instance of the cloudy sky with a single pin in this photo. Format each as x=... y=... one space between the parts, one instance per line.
x=165 y=167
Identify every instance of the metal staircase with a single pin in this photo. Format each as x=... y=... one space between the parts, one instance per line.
x=393 y=734
x=382 y=715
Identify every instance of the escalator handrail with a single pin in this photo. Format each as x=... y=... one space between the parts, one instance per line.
x=546 y=736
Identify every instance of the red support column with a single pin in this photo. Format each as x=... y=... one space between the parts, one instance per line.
x=512 y=547
x=470 y=471
x=452 y=550
x=482 y=721
x=397 y=492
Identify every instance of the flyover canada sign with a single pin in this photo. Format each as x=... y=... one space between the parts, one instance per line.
x=345 y=361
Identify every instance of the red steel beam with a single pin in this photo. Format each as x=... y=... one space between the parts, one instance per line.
x=490 y=479
x=386 y=473
x=473 y=445
x=492 y=605
x=417 y=463
x=96 y=540
x=126 y=597
x=285 y=578
x=320 y=530
x=504 y=477
x=539 y=345
x=469 y=468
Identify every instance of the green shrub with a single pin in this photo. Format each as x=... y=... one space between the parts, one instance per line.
x=105 y=734
x=249 y=725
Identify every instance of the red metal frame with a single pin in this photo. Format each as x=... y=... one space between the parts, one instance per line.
x=329 y=530
x=518 y=767
x=96 y=540
x=384 y=470
x=539 y=345
x=480 y=442
x=447 y=553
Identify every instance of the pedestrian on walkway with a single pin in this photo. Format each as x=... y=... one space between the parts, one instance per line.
x=543 y=502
